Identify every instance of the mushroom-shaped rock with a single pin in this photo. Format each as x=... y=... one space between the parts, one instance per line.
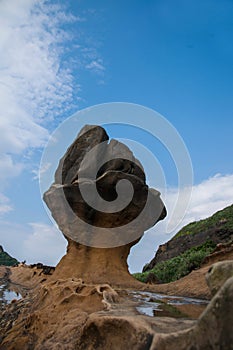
x=102 y=204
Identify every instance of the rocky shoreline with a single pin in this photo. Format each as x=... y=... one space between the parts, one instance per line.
x=71 y=314
x=100 y=305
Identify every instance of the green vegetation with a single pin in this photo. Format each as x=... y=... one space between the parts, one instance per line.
x=6 y=259
x=222 y=219
x=181 y=265
x=170 y=311
x=175 y=268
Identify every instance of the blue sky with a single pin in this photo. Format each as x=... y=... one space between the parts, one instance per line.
x=172 y=56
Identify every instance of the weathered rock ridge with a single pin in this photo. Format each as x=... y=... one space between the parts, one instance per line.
x=102 y=205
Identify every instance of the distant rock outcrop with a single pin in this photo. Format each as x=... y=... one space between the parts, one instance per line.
x=102 y=205
x=6 y=259
x=45 y=269
x=218 y=229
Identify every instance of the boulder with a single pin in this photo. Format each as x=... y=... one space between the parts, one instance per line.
x=213 y=330
x=218 y=274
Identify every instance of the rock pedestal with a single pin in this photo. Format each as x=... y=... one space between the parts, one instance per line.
x=95 y=265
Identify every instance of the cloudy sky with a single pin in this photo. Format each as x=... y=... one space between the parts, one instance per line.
x=59 y=57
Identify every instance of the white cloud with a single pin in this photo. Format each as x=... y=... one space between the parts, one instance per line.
x=41 y=170
x=96 y=66
x=34 y=242
x=207 y=197
x=31 y=45
x=12 y=236
x=46 y=244
x=5 y=206
x=35 y=85
x=36 y=76
x=9 y=168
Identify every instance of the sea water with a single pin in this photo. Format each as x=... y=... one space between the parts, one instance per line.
x=7 y=295
x=154 y=304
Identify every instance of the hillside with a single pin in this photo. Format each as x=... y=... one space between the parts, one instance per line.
x=189 y=247
x=6 y=259
x=222 y=219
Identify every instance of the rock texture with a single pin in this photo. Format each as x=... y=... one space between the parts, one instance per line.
x=214 y=328
x=218 y=274
x=218 y=229
x=70 y=314
x=102 y=205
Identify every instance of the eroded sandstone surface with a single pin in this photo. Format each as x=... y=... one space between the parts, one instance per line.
x=70 y=314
